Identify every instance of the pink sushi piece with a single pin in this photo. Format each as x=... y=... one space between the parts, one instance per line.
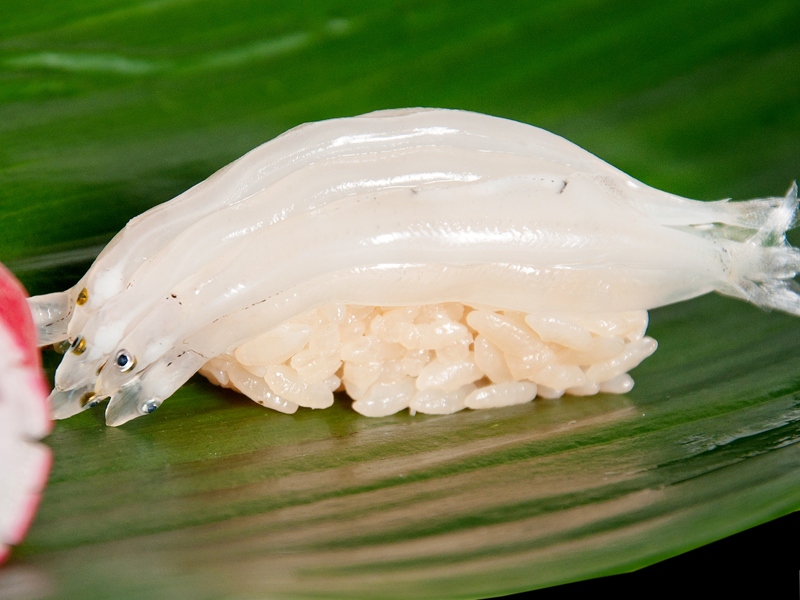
x=24 y=415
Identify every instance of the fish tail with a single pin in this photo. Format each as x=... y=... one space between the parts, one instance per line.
x=778 y=220
x=764 y=264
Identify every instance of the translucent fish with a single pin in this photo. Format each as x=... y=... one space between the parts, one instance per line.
x=435 y=251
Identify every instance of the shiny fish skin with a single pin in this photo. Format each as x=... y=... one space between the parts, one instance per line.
x=398 y=208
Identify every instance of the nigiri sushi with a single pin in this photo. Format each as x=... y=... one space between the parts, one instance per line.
x=422 y=259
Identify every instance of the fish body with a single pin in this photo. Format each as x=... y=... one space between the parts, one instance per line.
x=391 y=210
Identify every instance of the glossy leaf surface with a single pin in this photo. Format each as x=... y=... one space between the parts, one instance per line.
x=108 y=108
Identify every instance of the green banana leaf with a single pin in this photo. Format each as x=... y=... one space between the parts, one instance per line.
x=108 y=107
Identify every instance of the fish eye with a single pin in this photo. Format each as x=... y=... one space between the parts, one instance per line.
x=150 y=406
x=82 y=297
x=79 y=345
x=124 y=361
x=88 y=400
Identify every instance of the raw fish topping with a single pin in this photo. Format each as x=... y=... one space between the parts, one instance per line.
x=477 y=254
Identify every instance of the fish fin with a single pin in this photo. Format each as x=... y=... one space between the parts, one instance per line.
x=777 y=221
x=764 y=265
x=729 y=219
x=775 y=294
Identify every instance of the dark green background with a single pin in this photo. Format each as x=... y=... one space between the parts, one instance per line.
x=110 y=107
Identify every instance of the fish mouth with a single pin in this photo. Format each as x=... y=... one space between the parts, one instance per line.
x=128 y=402
x=66 y=403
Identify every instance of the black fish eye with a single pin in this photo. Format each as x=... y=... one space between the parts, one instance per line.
x=125 y=362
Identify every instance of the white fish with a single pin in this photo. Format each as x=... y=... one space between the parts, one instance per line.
x=408 y=208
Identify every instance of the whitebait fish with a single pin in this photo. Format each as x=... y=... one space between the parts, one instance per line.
x=426 y=259
x=24 y=416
